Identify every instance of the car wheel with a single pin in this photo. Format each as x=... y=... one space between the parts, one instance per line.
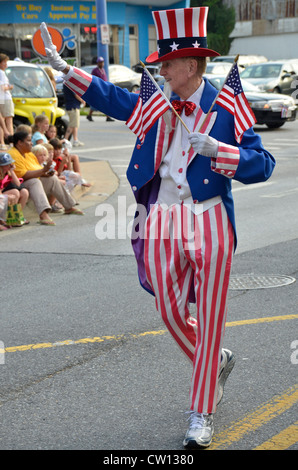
x=274 y=125
x=61 y=125
x=17 y=121
x=276 y=90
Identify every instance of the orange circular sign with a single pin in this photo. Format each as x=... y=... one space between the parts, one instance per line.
x=37 y=42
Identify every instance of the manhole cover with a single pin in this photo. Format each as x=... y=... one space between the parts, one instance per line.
x=252 y=281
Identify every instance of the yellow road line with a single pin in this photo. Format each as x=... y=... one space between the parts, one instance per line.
x=281 y=441
x=261 y=320
x=68 y=342
x=252 y=421
x=99 y=339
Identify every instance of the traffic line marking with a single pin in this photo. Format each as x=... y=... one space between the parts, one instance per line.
x=252 y=186
x=262 y=320
x=100 y=339
x=252 y=421
x=281 y=441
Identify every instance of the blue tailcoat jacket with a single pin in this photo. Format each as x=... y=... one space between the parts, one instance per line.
x=254 y=164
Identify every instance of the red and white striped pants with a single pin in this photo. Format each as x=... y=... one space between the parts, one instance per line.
x=181 y=247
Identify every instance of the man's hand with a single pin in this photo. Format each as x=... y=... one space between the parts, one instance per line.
x=203 y=144
x=53 y=57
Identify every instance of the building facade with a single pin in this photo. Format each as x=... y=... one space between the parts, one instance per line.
x=265 y=27
x=130 y=32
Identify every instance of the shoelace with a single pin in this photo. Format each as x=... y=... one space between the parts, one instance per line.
x=196 y=420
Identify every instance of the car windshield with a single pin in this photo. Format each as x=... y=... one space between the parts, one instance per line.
x=262 y=71
x=29 y=82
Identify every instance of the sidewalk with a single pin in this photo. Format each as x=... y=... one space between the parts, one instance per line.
x=104 y=183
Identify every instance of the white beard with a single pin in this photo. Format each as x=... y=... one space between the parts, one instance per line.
x=167 y=90
x=168 y=114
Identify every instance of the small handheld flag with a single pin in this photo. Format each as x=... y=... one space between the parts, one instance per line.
x=151 y=105
x=233 y=99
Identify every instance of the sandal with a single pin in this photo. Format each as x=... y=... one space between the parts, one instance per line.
x=75 y=211
x=46 y=222
x=85 y=183
x=4 y=225
x=56 y=208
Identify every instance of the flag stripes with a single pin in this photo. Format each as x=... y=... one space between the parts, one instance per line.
x=181 y=23
x=233 y=100
x=179 y=244
x=151 y=105
x=79 y=81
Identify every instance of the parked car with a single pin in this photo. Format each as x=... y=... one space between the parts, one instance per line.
x=269 y=108
x=244 y=60
x=121 y=76
x=219 y=68
x=154 y=69
x=274 y=76
x=33 y=94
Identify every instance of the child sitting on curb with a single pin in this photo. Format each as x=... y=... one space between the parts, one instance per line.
x=17 y=195
x=65 y=166
x=43 y=153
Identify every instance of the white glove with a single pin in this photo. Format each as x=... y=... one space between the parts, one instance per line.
x=53 y=57
x=203 y=144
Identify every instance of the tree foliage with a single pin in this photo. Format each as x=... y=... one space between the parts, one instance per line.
x=220 y=24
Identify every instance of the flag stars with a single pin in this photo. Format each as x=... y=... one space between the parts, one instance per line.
x=174 y=46
x=196 y=44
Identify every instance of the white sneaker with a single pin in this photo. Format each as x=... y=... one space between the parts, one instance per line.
x=77 y=143
x=200 y=431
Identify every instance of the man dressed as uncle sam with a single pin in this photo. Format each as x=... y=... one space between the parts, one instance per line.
x=181 y=172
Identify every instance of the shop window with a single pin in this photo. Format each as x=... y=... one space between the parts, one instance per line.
x=88 y=44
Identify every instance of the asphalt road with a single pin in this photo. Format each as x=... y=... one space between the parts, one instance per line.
x=87 y=362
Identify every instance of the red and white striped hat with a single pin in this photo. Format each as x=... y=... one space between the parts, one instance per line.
x=181 y=33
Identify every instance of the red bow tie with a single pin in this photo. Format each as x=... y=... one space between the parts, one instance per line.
x=179 y=105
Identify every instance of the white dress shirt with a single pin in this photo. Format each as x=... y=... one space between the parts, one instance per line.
x=174 y=188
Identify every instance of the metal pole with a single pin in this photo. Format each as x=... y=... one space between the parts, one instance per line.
x=101 y=18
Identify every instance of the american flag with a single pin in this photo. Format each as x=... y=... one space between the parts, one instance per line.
x=233 y=99
x=151 y=105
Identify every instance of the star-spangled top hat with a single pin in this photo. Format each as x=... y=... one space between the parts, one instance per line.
x=181 y=33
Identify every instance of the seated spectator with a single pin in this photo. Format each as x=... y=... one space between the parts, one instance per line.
x=39 y=128
x=43 y=155
x=73 y=159
x=37 y=179
x=51 y=133
x=24 y=127
x=65 y=165
x=11 y=186
x=50 y=150
x=3 y=212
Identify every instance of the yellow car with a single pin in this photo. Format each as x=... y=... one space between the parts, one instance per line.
x=33 y=94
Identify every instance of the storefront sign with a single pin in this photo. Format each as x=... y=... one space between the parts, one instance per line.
x=59 y=40
x=48 y=11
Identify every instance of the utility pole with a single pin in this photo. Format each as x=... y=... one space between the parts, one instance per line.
x=102 y=33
